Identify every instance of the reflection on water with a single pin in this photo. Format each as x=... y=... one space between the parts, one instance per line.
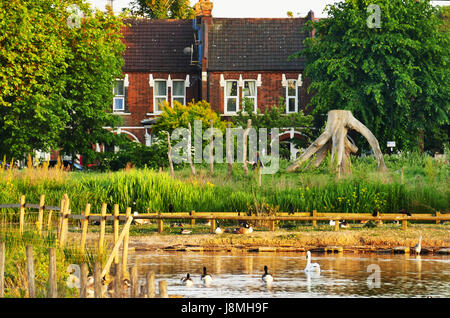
x=239 y=274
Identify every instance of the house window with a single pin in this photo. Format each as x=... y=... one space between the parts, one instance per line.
x=249 y=91
x=291 y=96
x=179 y=92
x=119 y=96
x=231 y=97
x=160 y=95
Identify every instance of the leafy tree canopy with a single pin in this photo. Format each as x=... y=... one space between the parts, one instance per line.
x=395 y=78
x=162 y=9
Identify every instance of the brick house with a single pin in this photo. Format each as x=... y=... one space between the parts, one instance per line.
x=220 y=60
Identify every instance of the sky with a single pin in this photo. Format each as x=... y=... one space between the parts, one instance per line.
x=254 y=8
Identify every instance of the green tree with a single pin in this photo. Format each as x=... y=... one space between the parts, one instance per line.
x=395 y=78
x=32 y=61
x=162 y=9
x=94 y=61
x=56 y=75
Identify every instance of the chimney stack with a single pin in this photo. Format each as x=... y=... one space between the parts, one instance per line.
x=203 y=8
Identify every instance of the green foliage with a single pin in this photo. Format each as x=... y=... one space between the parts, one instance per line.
x=162 y=9
x=395 y=79
x=56 y=79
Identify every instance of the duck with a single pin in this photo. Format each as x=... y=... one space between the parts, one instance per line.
x=140 y=221
x=418 y=246
x=404 y=211
x=206 y=278
x=343 y=224
x=184 y=231
x=266 y=277
x=90 y=287
x=311 y=267
x=396 y=222
x=187 y=280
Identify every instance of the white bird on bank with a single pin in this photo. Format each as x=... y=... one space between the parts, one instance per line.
x=418 y=246
x=266 y=277
x=140 y=221
x=218 y=230
x=311 y=267
x=206 y=278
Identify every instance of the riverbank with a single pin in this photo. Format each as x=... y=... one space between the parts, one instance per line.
x=385 y=238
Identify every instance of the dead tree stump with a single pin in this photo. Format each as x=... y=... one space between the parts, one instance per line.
x=334 y=139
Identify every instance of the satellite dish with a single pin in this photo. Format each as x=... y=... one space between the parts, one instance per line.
x=188 y=50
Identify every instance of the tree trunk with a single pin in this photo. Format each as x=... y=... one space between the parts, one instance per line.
x=334 y=139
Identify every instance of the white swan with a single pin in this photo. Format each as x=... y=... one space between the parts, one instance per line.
x=311 y=267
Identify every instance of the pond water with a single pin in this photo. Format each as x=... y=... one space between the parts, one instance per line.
x=238 y=275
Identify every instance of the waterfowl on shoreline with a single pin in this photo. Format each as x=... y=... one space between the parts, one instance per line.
x=344 y=224
x=266 y=277
x=206 y=278
x=418 y=246
x=218 y=229
x=187 y=280
x=184 y=231
x=311 y=267
x=140 y=221
x=246 y=229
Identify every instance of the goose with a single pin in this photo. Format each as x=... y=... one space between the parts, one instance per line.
x=246 y=229
x=343 y=224
x=184 y=231
x=291 y=208
x=187 y=280
x=206 y=278
x=418 y=246
x=266 y=277
x=139 y=221
x=311 y=267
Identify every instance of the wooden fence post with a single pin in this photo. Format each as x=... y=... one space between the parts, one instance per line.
x=30 y=272
x=41 y=214
x=438 y=214
x=134 y=282
x=49 y=221
x=213 y=225
x=65 y=221
x=163 y=289
x=314 y=214
x=125 y=244
x=160 y=224
x=83 y=280
x=272 y=226
x=61 y=212
x=52 y=281
x=404 y=224
x=84 y=227
x=101 y=239
x=2 y=269
x=116 y=230
x=118 y=281
x=98 y=280
x=193 y=220
x=150 y=285
x=336 y=225
x=22 y=214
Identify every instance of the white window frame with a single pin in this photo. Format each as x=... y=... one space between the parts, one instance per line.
x=119 y=97
x=226 y=97
x=179 y=96
x=288 y=96
x=155 y=106
x=255 y=97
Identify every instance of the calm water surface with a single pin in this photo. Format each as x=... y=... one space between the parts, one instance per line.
x=238 y=275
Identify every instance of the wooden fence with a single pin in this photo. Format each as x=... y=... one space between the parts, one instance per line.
x=94 y=286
